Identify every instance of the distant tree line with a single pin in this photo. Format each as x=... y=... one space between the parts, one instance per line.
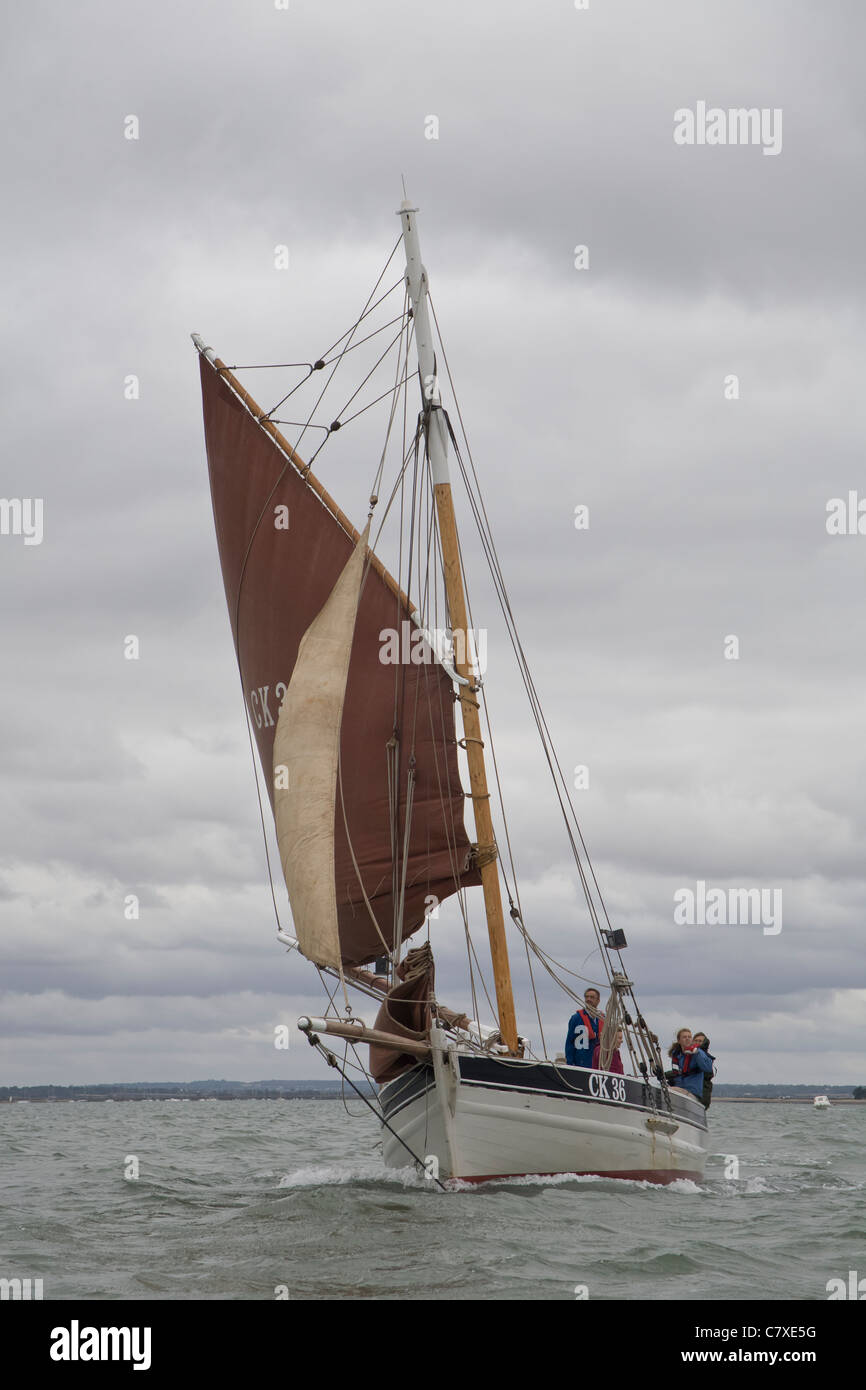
x=178 y=1090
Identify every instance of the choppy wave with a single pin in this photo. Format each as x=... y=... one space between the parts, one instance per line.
x=339 y=1175
x=235 y=1200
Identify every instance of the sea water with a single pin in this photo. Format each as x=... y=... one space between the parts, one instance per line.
x=288 y=1199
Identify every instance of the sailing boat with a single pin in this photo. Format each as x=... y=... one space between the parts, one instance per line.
x=350 y=687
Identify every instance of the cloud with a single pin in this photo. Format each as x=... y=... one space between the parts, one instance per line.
x=602 y=387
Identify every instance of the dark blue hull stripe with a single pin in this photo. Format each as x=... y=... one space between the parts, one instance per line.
x=491 y=1074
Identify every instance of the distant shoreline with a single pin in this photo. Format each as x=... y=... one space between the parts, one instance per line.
x=199 y=1095
x=329 y=1090
x=60 y=1095
x=788 y=1100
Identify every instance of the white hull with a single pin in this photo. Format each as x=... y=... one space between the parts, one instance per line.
x=481 y=1118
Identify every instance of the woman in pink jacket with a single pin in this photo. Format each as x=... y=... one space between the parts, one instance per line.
x=615 y=1063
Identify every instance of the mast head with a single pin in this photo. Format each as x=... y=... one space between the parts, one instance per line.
x=407 y=205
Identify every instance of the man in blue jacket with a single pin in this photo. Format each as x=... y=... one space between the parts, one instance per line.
x=695 y=1064
x=584 y=1031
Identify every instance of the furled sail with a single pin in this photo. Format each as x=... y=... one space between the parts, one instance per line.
x=404 y=1013
x=306 y=756
x=283 y=546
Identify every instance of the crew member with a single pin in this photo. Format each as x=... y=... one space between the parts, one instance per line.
x=684 y=1039
x=584 y=1031
x=694 y=1066
x=706 y=1096
x=615 y=1063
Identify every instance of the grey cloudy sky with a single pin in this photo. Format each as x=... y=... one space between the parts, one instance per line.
x=603 y=386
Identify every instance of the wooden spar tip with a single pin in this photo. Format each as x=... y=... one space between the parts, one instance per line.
x=359 y=1032
x=298 y=463
x=200 y=347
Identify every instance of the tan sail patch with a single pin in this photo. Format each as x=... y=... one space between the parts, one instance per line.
x=306 y=754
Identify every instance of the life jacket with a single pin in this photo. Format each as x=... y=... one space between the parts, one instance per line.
x=590 y=1028
x=592 y=1025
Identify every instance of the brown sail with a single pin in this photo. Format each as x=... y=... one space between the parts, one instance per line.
x=283 y=546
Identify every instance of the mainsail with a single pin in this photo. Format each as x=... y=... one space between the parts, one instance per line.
x=283 y=547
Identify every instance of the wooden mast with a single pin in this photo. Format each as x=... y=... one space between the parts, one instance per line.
x=437 y=451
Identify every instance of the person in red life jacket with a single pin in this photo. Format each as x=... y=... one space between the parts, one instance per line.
x=684 y=1039
x=584 y=1031
x=694 y=1065
x=615 y=1063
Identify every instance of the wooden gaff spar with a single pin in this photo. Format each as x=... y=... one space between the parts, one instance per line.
x=360 y=761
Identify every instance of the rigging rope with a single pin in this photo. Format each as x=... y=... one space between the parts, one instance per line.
x=429 y=598
x=594 y=901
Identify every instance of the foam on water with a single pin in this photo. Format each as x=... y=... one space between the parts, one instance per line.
x=757 y=1185
x=340 y=1175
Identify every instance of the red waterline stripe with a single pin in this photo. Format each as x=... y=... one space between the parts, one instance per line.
x=635 y=1175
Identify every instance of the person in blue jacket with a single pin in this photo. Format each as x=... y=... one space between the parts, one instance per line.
x=694 y=1065
x=702 y=1041
x=584 y=1031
